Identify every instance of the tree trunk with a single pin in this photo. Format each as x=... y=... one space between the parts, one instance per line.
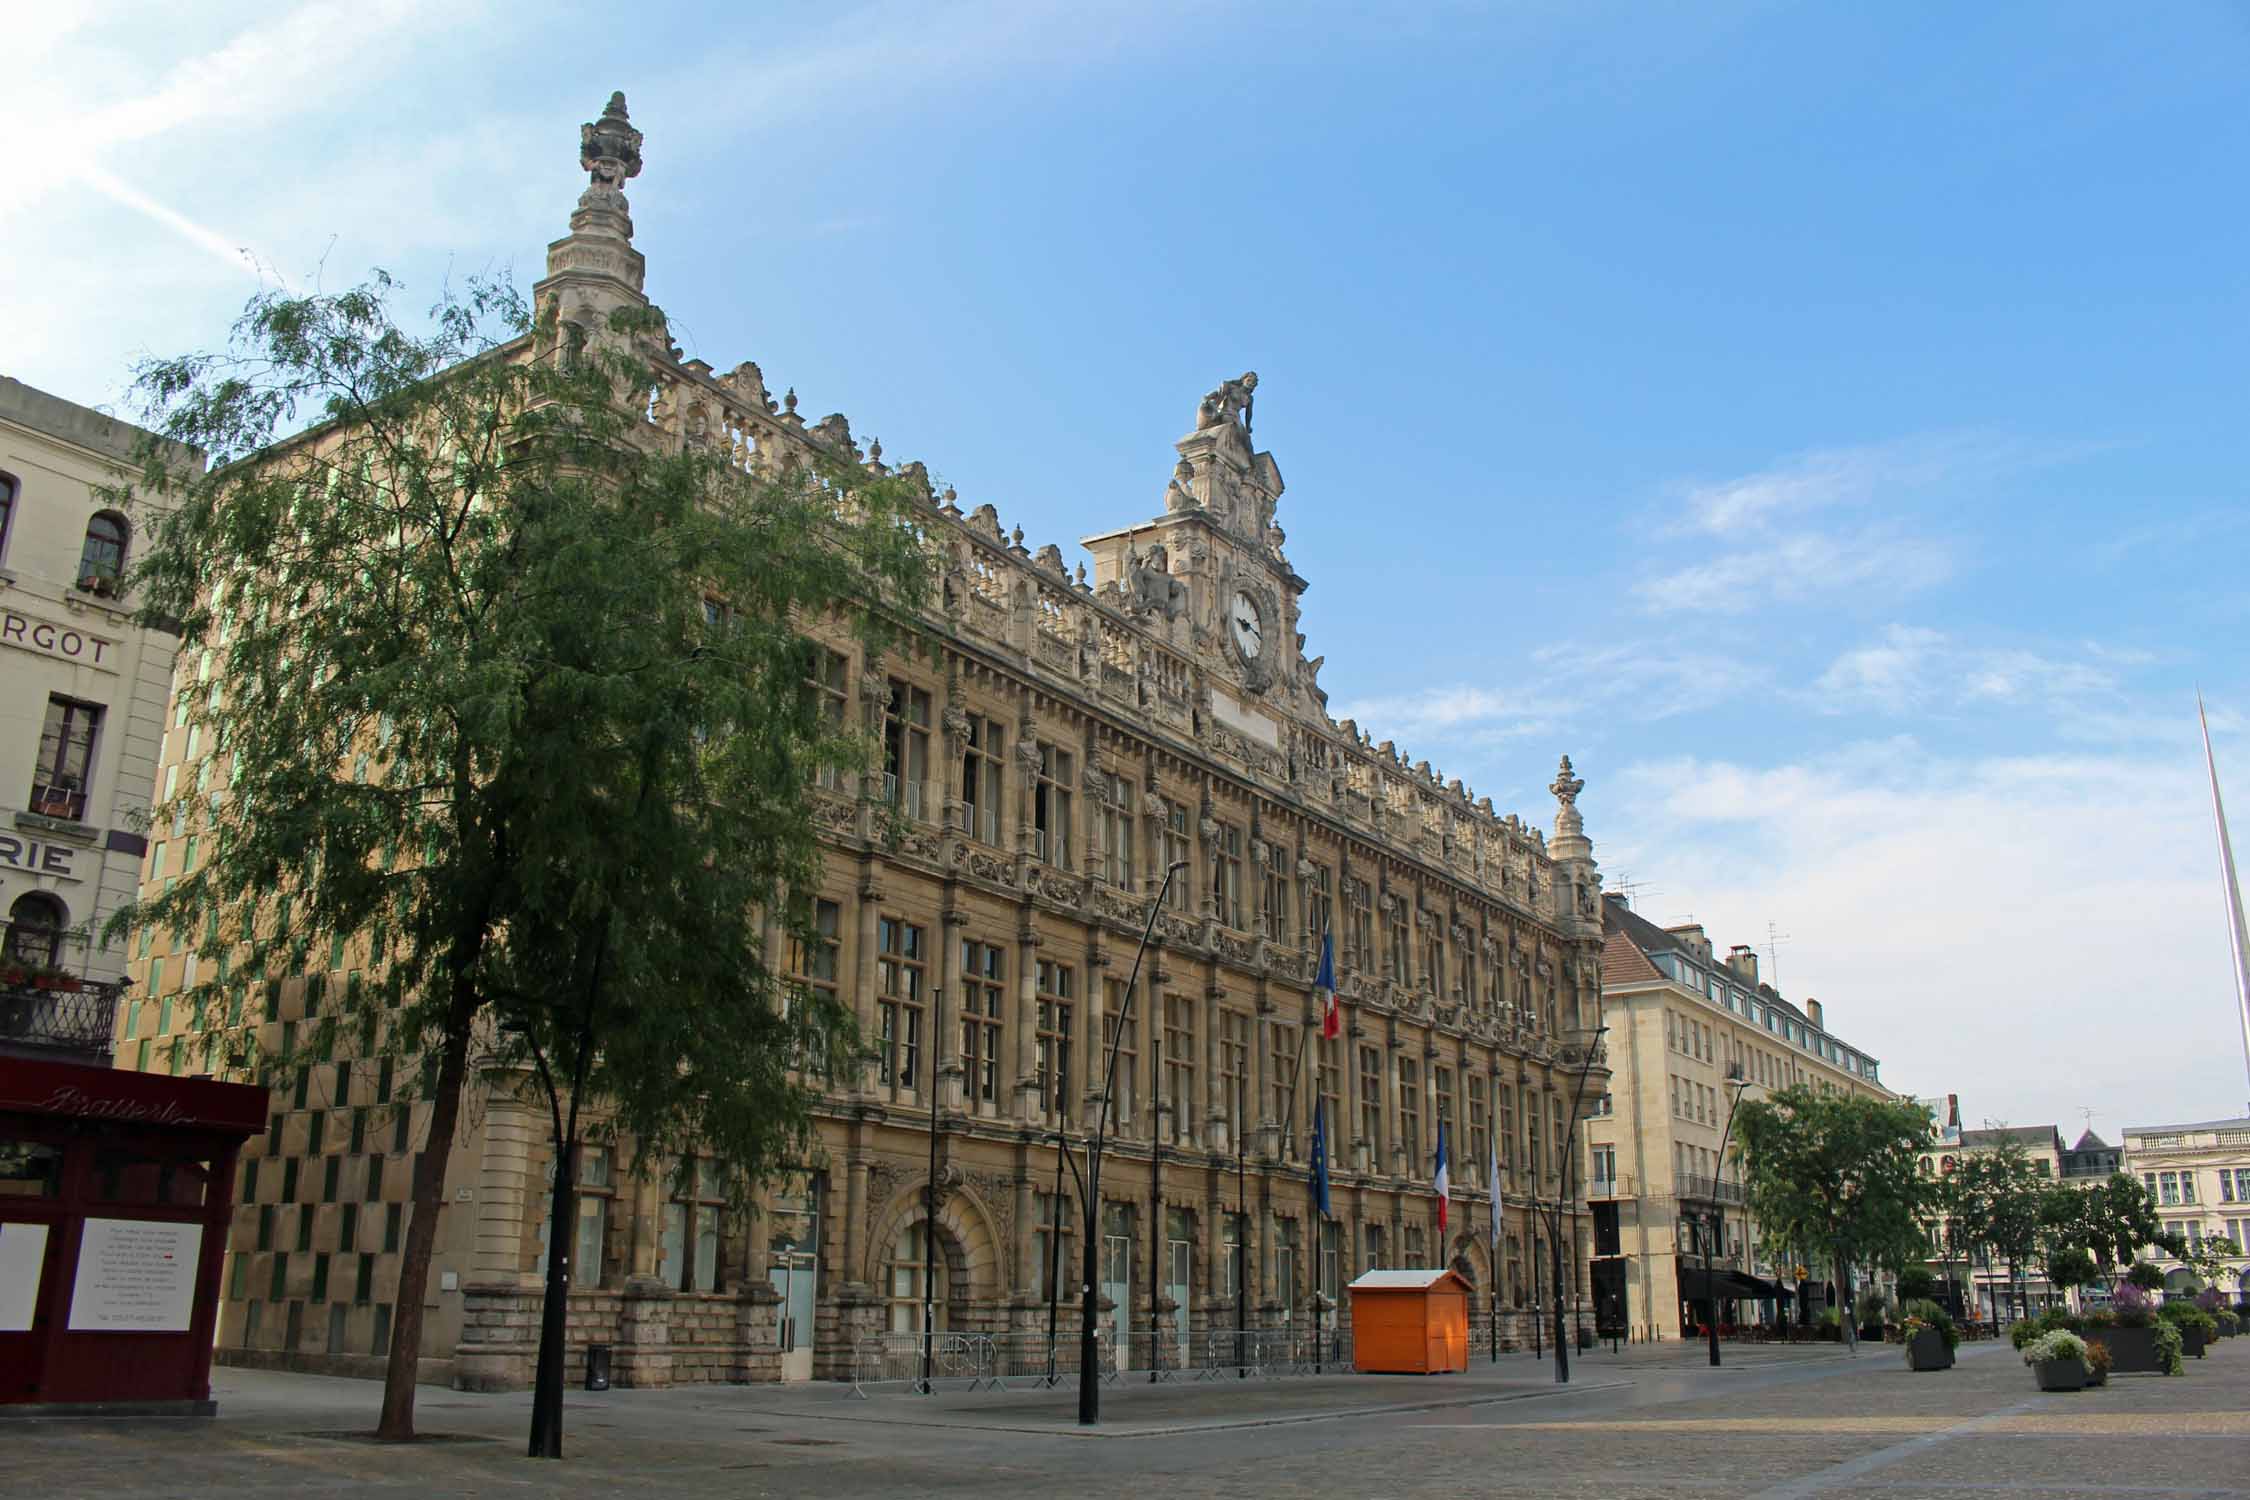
x=397 y=1423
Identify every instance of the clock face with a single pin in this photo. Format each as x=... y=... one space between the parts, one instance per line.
x=1248 y=629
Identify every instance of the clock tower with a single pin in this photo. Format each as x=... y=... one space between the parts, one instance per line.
x=1209 y=575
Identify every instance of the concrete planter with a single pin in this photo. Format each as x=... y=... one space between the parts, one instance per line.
x=2193 y=1341
x=2132 y=1351
x=2060 y=1374
x=1927 y=1351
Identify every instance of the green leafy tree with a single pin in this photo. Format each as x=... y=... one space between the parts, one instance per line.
x=498 y=697
x=1835 y=1176
x=2120 y=1218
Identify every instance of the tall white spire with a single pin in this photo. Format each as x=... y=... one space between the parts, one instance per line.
x=2238 y=937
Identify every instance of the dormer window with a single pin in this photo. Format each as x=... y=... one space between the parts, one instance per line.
x=101 y=562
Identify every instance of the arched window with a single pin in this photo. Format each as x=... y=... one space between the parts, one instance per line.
x=35 y=929
x=101 y=563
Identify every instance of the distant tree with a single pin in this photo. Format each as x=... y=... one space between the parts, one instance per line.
x=1835 y=1175
x=1916 y=1282
x=508 y=693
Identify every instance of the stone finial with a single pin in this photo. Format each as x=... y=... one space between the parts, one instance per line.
x=609 y=149
x=1565 y=786
x=789 y=401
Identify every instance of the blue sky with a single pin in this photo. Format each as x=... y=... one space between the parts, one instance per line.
x=1823 y=422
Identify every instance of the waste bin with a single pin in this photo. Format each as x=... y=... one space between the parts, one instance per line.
x=597 y=1367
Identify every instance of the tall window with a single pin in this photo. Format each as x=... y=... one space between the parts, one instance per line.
x=1480 y=1123
x=906 y=747
x=7 y=510
x=1230 y=1250
x=1117 y=832
x=1285 y=1268
x=906 y=1276
x=1410 y=1112
x=1378 y=1254
x=1124 y=1109
x=1371 y=1103
x=1286 y=1040
x=1179 y=1065
x=101 y=562
x=1531 y=1162
x=983 y=771
x=1052 y=1060
x=826 y=682
x=899 y=977
x=1331 y=1259
x=1441 y=1080
x=815 y=967
x=1320 y=903
x=66 y=759
x=1050 y=1241
x=1328 y=1080
x=984 y=973
x=1234 y=1069
x=1400 y=949
x=1433 y=962
x=35 y=929
x=694 y=1224
x=1226 y=874
x=1554 y=1119
x=1359 y=924
x=1051 y=822
x=1276 y=892
x=595 y=1189
x=1176 y=848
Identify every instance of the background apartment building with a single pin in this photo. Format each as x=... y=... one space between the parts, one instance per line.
x=82 y=703
x=1685 y=1027
x=2199 y=1176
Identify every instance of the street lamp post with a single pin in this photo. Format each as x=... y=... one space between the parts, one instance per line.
x=1089 y=1348
x=1555 y=1215
x=1737 y=1083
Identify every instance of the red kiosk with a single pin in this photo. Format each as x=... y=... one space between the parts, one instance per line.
x=116 y=1189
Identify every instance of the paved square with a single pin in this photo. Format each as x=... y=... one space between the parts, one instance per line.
x=1651 y=1422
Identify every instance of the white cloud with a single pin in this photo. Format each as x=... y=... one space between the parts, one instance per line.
x=1869 y=563
x=1911 y=667
x=2035 y=933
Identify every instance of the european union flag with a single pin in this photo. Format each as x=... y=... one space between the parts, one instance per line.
x=1320 y=1157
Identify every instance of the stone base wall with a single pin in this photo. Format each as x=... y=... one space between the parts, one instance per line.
x=656 y=1337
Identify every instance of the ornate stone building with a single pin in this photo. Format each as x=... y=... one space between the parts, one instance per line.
x=1057 y=740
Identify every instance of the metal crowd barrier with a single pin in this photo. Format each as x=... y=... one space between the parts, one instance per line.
x=1022 y=1361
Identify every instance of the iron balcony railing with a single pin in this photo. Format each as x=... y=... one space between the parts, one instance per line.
x=44 y=1011
x=1708 y=1189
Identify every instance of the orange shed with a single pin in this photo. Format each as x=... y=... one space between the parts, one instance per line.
x=1410 y=1322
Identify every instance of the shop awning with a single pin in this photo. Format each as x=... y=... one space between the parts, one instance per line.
x=1725 y=1284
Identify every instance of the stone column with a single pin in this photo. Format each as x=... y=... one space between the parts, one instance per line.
x=945 y=1086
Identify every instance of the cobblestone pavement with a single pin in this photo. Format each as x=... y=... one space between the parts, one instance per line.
x=1773 y=1424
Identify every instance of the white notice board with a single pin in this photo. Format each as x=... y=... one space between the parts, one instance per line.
x=135 y=1276
x=23 y=1255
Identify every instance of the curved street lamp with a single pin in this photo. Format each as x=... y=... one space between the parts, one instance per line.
x=1737 y=1082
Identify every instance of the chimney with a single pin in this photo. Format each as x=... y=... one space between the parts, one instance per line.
x=1691 y=936
x=1812 y=1014
x=1743 y=959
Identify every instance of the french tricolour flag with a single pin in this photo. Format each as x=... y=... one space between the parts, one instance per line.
x=1324 y=990
x=1443 y=1184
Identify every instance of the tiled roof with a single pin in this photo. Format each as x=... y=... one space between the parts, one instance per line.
x=2023 y=1135
x=1625 y=963
x=2092 y=1142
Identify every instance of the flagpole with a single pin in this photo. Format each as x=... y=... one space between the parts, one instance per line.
x=2238 y=939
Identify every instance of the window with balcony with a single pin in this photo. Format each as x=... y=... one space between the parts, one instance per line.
x=101 y=561
x=65 y=769
x=826 y=680
x=1177 y=851
x=1051 y=820
x=983 y=777
x=1371 y=1103
x=906 y=748
x=1285 y=1040
x=1276 y=892
x=1480 y=1124
x=1117 y=832
x=35 y=930
x=1320 y=903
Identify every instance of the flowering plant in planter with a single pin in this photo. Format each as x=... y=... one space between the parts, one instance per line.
x=2169 y=1348
x=2097 y=1364
x=2058 y=1360
x=2131 y=1305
